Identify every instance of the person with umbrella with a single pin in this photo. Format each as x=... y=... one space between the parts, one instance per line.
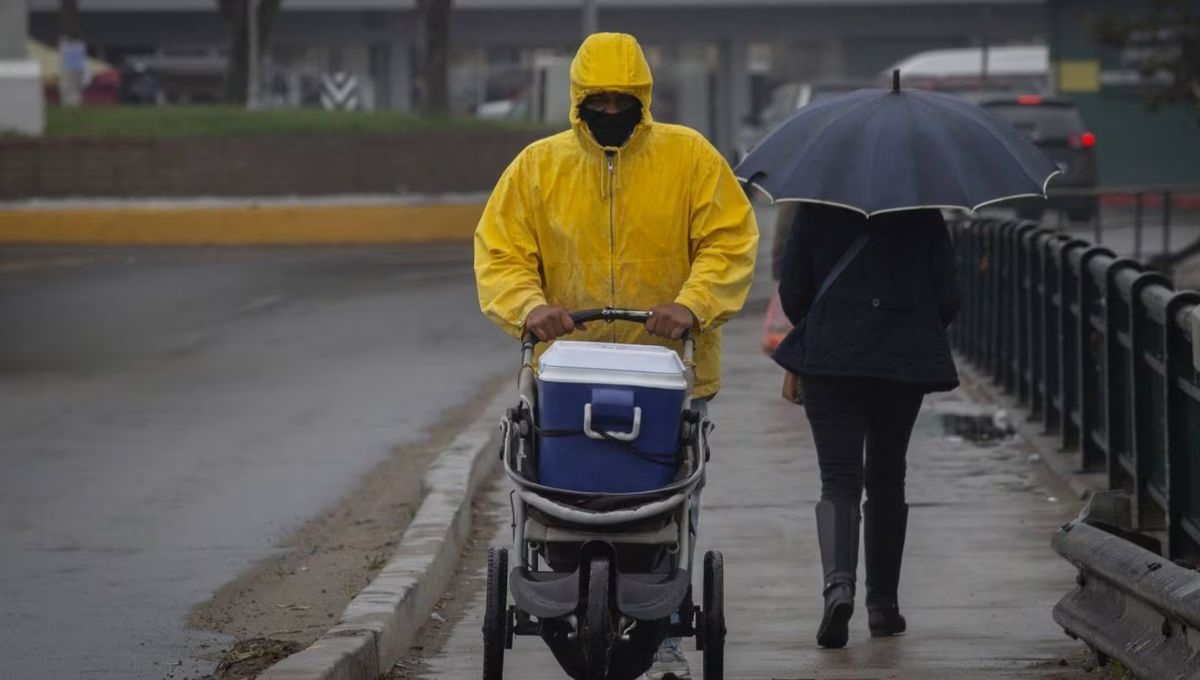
x=868 y=278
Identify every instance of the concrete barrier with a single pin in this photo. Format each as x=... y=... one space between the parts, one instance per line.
x=1130 y=604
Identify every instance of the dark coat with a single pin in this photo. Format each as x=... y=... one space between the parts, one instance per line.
x=886 y=316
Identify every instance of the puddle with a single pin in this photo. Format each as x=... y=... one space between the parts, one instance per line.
x=981 y=429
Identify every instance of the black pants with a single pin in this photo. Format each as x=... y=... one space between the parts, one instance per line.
x=850 y=414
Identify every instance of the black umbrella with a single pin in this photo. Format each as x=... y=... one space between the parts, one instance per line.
x=879 y=150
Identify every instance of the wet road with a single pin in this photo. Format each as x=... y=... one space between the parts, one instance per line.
x=168 y=417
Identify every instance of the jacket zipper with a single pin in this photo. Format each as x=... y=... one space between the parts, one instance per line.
x=612 y=232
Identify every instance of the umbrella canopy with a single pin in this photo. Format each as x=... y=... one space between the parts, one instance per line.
x=877 y=151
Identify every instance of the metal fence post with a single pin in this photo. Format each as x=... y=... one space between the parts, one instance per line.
x=996 y=278
x=1037 y=323
x=1139 y=402
x=1183 y=426
x=1068 y=344
x=1000 y=363
x=987 y=307
x=971 y=307
x=1093 y=357
x=1116 y=391
x=1010 y=318
x=1050 y=297
x=1024 y=313
x=979 y=318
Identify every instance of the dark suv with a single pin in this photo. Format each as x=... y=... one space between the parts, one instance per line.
x=1056 y=128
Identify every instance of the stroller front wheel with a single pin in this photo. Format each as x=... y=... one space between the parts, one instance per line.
x=713 y=609
x=495 y=617
x=598 y=634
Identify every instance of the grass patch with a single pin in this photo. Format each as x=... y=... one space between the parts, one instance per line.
x=215 y=122
x=1117 y=671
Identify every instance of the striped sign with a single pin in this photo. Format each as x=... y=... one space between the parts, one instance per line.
x=340 y=92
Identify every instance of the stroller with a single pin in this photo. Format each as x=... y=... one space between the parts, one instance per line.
x=598 y=574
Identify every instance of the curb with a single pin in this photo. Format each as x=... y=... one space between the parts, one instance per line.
x=361 y=220
x=1062 y=465
x=381 y=622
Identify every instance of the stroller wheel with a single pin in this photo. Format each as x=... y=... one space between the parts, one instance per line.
x=495 y=617
x=598 y=634
x=713 y=621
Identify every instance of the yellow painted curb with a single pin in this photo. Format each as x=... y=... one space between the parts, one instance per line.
x=240 y=225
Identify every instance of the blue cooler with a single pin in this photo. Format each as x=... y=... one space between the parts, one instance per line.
x=609 y=416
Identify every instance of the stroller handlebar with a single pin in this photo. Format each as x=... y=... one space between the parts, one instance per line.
x=609 y=315
x=525 y=382
x=634 y=315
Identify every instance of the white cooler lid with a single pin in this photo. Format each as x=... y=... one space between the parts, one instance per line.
x=570 y=361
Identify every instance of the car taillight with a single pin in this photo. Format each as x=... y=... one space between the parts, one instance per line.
x=1029 y=100
x=1083 y=141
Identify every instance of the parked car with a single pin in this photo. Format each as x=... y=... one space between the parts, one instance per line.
x=1058 y=129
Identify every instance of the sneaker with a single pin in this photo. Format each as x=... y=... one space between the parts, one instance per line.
x=669 y=663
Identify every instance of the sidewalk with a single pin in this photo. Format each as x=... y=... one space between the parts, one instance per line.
x=979 y=578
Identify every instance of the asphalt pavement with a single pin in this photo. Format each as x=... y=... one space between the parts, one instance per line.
x=169 y=416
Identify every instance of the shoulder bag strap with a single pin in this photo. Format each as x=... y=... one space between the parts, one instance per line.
x=847 y=257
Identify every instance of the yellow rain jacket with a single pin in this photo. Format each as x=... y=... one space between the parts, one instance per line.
x=660 y=220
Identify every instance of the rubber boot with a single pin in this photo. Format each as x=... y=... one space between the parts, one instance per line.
x=837 y=533
x=884 y=528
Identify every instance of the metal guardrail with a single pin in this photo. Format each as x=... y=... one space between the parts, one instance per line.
x=1103 y=352
x=1129 y=603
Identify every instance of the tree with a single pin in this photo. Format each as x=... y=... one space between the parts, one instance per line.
x=236 y=14
x=1162 y=45
x=433 y=48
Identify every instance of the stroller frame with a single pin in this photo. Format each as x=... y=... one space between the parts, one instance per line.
x=600 y=609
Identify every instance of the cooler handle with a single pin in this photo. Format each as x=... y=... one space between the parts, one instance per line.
x=617 y=436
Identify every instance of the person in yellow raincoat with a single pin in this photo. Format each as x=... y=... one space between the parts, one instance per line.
x=648 y=217
x=619 y=211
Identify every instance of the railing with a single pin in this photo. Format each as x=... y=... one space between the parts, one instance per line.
x=1103 y=353
x=1142 y=214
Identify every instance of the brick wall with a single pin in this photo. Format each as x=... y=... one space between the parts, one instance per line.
x=420 y=162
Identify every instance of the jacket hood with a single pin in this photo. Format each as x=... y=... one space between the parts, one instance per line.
x=610 y=62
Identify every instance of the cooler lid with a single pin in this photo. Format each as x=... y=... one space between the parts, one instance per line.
x=570 y=361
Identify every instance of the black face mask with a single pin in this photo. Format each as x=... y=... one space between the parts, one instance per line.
x=611 y=129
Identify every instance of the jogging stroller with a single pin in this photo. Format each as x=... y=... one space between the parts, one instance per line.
x=605 y=455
